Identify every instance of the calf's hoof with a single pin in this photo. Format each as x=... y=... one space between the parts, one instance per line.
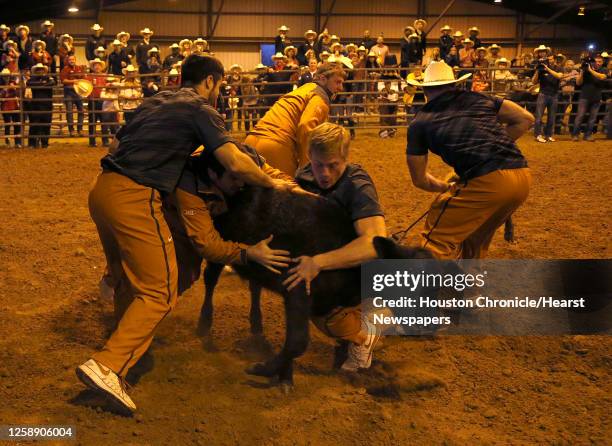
x=286 y=387
x=204 y=327
x=262 y=369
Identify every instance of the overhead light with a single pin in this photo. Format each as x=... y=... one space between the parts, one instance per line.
x=581 y=10
x=497 y=1
x=73 y=9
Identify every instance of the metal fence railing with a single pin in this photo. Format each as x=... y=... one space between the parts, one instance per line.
x=36 y=108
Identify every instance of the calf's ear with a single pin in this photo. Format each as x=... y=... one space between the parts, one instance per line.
x=386 y=248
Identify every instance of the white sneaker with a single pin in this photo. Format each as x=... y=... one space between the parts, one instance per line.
x=540 y=138
x=101 y=378
x=551 y=139
x=360 y=356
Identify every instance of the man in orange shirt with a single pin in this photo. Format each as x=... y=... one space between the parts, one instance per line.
x=70 y=73
x=281 y=136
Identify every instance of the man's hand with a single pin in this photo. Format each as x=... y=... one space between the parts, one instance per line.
x=267 y=257
x=284 y=184
x=306 y=270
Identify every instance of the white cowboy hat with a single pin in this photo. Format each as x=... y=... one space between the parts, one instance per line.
x=467 y=41
x=153 y=50
x=100 y=49
x=66 y=36
x=185 y=41
x=39 y=43
x=5 y=71
x=116 y=42
x=501 y=60
x=413 y=36
x=200 y=41
x=287 y=48
x=458 y=34
x=438 y=73
x=129 y=69
x=96 y=27
x=9 y=43
x=173 y=72
x=146 y=31
x=48 y=23
x=95 y=61
x=174 y=45
x=5 y=28
x=83 y=87
x=350 y=45
x=335 y=44
x=310 y=32
x=325 y=53
x=604 y=54
x=475 y=29
x=541 y=48
x=341 y=60
x=362 y=48
x=236 y=66
x=446 y=28
x=283 y=28
x=408 y=27
x=20 y=27
x=39 y=66
x=495 y=46
x=334 y=37
x=279 y=56
x=482 y=48
x=260 y=66
x=123 y=33
x=424 y=22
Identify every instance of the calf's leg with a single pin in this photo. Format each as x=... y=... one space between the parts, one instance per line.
x=255 y=312
x=211 y=277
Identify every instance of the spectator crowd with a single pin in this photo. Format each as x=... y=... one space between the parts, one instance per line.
x=565 y=95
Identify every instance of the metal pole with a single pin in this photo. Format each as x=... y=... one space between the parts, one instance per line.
x=212 y=31
x=21 y=111
x=442 y=14
x=329 y=13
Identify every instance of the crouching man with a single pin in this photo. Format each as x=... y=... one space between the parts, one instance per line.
x=329 y=174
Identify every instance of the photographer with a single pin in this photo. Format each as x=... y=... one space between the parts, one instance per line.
x=547 y=74
x=592 y=78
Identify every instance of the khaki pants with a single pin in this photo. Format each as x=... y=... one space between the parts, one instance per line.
x=277 y=155
x=341 y=323
x=141 y=257
x=463 y=226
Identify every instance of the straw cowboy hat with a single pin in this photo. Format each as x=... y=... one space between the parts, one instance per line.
x=362 y=49
x=335 y=44
x=287 y=48
x=372 y=54
x=310 y=32
x=97 y=61
x=174 y=45
x=5 y=72
x=279 y=56
x=83 y=87
x=495 y=46
x=424 y=22
x=542 y=48
x=283 y=28
x=183 y=42
x=48 y=23
x=200 y=41
x=324 y=53
x=100 y=49
x=438 y=73
x=474 y=29
x=3 y=27
x=39 y=66
x=146 y=31
x=481 y=49
x=341 y=60
x=413 y=36
x=458 y=34
x=116 y=42
x=260 y=66
x=334 y=37
x=9 y=43
x=20 y=27
x=501 y=60
x=129 y=69
x=66 y=37
x=173 y=72
x=467 y=41
x=123 y=33
x=96 y=27
x=236 y=66
x=411 y=28
x=446 y=28
x=39 y=43
x=604 y=54
x=153 y=50
x=350 y=46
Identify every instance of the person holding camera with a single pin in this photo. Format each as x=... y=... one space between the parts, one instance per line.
x=547 y=75
x=592 y=79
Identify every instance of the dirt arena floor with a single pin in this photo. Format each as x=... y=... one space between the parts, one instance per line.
x=446 y=390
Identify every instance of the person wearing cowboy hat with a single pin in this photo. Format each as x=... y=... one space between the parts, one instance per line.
x=94 y=41
x=50 y=38
x=411 y=53
x=446 y=41
x=502 y=77
x=10 y=56
x=467 y=55
x=94 y=105
x=200 y=46
x=100 y=53
x=117 y=59
x=39 y=54
x=41 y=106
x=69 y=75
x=151 y=73
x=493 y=177
x=458 y=40
x=309 y=44
x=5 y=36
x=474 y=34
x=324 y=55
x=548 y=75
x=9 y=106
x=66 y=49
x=185 y=47
x=481 y=60
x=281 y=41
x=130 y=93
x=171 y=59
x=124 y=38
x=281 y=136
x=419 y=29
x=291 y=53
x=24 y=45
x=494 y=54
x=278 y=80
x=143 y=47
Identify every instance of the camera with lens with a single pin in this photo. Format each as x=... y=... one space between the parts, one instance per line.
x=541 y=63
x=586 y=61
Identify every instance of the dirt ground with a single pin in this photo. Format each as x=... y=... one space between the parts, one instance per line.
x=447 y=390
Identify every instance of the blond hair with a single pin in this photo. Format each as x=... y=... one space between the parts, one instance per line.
x=328 y=69
x=329 y=139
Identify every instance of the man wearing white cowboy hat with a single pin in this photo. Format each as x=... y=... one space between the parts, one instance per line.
x=10 y=56
x=49 y=37
x=172 y=58
x=124 y=38
x=494 y=54
x=446 y=41
x=100 y=53
x=411 y=52
x=502 y=77
x=281 y=41
x=143 y=47
x=419 y=30
x=130 y=93
x=41 y=106
x=310 y=37
x=94 y=107
x=66 y=48
x=117 y=59
x=24 y=45
x=474 y=32
x=200 y=46
x=94 y=40
x=278 y=80
x=458 y=40
x=466 y=129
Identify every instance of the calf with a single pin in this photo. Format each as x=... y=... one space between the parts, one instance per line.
x=304 y=224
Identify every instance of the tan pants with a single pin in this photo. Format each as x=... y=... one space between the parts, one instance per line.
x=277 y=155
x=463 y=226
x=341 y=323
x=141 y=257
